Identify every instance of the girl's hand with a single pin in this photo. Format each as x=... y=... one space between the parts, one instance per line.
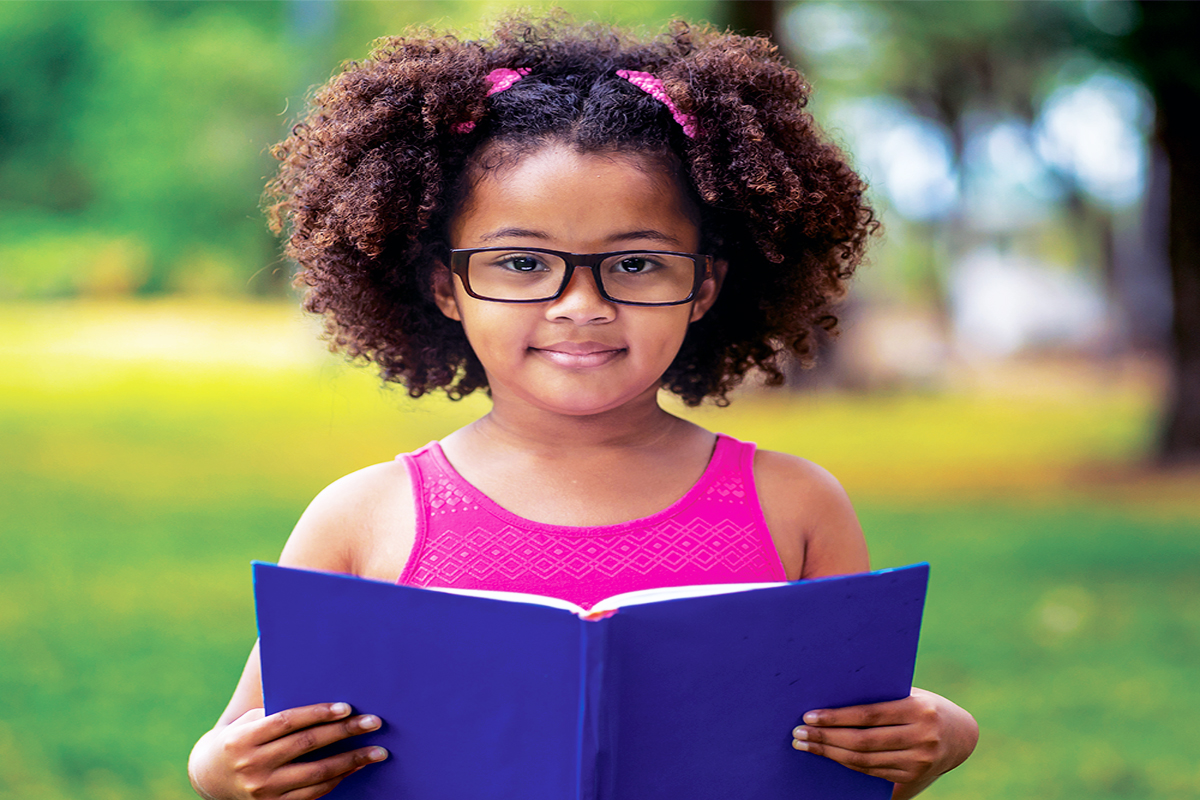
x=255 y=756
x=909 y=742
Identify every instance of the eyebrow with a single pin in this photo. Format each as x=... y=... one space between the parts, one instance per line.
x=648 y=234
x=513 y=233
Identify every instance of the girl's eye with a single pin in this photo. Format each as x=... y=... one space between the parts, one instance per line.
x=635 y=265
x=520 y=263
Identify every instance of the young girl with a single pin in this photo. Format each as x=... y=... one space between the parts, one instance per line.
x=572 y=221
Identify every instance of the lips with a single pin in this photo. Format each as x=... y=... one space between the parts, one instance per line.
x=579 y=354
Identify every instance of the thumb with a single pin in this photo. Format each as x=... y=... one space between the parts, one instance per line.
x=250 y=716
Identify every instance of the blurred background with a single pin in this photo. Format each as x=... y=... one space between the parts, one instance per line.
x=1015 y=396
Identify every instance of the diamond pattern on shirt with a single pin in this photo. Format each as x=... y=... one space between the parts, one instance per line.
x=515 y=554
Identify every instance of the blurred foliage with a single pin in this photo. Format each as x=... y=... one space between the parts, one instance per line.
x=917 y=49
x=967 y=68
x=1015 y=92
x=133 y=143
x=153 y=449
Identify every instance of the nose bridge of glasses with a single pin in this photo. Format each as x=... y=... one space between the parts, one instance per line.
x=592 y=265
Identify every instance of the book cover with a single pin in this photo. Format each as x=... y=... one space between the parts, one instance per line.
x=487 y=699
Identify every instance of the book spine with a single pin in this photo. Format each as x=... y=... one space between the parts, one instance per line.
x=592 y=757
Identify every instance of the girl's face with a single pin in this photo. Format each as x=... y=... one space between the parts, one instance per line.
x=579 y=354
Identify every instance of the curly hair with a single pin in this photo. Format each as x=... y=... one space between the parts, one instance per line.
x=370 y=179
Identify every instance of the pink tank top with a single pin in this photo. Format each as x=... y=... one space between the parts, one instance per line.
x=715 y=533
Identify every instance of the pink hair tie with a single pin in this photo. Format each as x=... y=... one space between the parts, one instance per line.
x=654 y=87
x=498 y=80
x=503 y=77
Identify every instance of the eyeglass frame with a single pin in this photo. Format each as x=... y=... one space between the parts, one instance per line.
x=460 y=261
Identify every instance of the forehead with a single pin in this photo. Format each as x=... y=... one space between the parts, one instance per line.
x=569 y=200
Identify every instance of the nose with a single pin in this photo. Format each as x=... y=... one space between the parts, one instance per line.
x=581 y=302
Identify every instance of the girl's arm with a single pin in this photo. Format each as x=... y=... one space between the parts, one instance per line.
x=909 y=742
x=358 y=525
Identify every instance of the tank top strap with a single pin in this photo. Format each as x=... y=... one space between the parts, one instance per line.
x=419 y=465
x=729 y=481
x=731 y=458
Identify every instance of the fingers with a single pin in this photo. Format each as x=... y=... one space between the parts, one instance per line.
x=290 y=720
x=892 y=737
x=897 y=766
x=256 y=755
x=318 y=778
x=899 y=740
x=893 y=712
x=306 y=740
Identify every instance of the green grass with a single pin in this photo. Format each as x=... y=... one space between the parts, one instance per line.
x=151 y=451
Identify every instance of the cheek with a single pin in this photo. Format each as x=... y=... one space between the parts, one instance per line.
x=494 y=326
x=665 y=336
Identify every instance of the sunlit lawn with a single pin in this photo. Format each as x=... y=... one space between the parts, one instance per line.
x=149 y=452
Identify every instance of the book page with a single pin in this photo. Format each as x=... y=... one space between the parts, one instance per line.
x=635 y=598
x=512 y=597
x=656 y=595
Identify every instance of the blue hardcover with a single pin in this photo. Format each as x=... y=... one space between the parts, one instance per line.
x=692 y=698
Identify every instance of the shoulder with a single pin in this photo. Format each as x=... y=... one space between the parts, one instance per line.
x=361 y=524
x=810 y=517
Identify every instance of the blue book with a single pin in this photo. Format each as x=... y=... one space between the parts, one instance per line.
x=689 y=697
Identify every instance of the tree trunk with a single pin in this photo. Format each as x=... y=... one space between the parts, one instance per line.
x=1164 y=48
x=751 y=17
x=1179 y=131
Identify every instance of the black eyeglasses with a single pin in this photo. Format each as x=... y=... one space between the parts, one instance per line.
x=534 y=275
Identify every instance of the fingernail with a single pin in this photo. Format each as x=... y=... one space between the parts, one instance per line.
x=377 y=754
x=799 y=745
x=800 y=733
x=369 y=722
x=812 y=718
x=340 y=709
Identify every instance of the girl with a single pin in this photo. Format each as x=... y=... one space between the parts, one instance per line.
x=571 y=220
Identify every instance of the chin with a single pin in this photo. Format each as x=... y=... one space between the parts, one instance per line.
x=586 y=405
x=582 y=398
x=582 y=408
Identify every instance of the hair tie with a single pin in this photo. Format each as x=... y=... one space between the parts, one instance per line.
x=654 y=87
x=498 y=80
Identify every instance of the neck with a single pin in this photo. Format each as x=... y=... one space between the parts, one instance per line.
x=642 y=423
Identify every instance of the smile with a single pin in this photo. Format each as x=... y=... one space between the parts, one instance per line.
x=579 y=355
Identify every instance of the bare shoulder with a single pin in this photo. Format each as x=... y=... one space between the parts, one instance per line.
x=809 y=514
x=362 y=524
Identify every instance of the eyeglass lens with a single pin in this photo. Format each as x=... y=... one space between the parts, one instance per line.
x=633 y=277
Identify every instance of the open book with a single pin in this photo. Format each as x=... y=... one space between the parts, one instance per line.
x=686 y=693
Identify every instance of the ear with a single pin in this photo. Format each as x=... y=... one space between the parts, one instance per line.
x=443 y=292
x=709 y=290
